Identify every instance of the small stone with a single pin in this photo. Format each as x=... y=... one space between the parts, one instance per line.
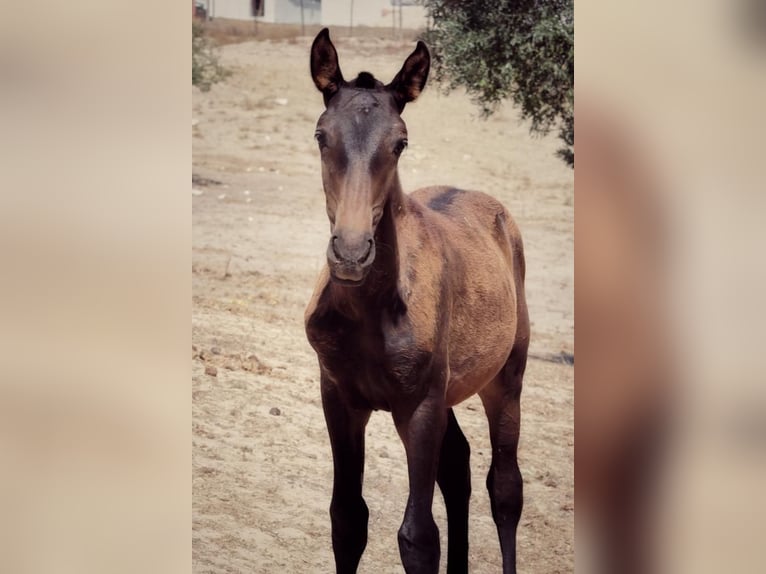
x=251 y=363
x=275 y=411
x=215 y=350
x=281 y=101
x=211 y=370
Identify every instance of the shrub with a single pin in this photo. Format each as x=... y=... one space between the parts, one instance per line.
x=206 y=68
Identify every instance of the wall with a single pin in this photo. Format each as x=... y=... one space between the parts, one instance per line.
x=234 y=9
x=278 y=11
x=289 y=11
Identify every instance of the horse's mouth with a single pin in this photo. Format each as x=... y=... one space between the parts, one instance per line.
x=347 y=282
x=350 y=277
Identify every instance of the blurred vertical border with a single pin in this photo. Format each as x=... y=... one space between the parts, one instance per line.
x=670 y=412
x=95 y=294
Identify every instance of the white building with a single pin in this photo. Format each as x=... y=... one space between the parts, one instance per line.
x=276 y=11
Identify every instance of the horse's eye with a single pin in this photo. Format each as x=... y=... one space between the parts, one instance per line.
x=320 y=138
x=400 y=145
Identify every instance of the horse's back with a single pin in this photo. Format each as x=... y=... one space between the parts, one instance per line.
x=474 y=210
x=476 y=218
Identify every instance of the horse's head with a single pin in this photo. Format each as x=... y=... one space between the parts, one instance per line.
x=361 y=136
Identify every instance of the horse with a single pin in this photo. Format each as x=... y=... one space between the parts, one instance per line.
x=420 y=305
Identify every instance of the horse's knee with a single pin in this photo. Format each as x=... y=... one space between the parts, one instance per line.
x=419 y=545
x=347 y=509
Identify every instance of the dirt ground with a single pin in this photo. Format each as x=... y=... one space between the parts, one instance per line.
x=262 y=470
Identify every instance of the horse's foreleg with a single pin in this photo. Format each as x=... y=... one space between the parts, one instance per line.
x=422 y=432
x=454 y=479
x=501 y=402
x=348 y=511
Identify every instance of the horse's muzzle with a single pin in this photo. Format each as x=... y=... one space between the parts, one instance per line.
x=350 y=260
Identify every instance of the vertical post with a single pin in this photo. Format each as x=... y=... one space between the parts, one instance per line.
x=400 y=19
x=303 y=25
x=351 y=20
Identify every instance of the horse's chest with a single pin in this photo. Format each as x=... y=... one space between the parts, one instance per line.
x=373 y=362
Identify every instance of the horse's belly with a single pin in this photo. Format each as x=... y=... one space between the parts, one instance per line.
x=482 y=335
x=470 y=375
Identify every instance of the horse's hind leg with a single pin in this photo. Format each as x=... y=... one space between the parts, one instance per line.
x=454 y=479
x=501 y=403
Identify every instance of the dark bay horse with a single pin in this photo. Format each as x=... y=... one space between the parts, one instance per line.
x=421 y=305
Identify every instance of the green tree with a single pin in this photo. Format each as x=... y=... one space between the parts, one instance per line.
x=206 y=69
x=517 y=49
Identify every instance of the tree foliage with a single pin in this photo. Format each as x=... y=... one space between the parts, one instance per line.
x=517 y=49
x=206 y=69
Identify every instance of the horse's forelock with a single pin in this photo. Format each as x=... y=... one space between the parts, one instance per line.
x=366 y=81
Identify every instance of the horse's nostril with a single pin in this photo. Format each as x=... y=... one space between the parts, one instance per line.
x=335 y=247
x=366 y=255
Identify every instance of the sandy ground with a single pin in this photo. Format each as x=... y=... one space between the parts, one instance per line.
x=262 y=471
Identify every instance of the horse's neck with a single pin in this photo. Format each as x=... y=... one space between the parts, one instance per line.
x=382 y=285
x=389 y=245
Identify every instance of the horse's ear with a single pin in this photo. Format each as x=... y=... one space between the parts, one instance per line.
x=411 y=79
x=325 y=70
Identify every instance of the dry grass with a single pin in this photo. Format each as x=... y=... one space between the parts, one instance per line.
x=225 y=31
